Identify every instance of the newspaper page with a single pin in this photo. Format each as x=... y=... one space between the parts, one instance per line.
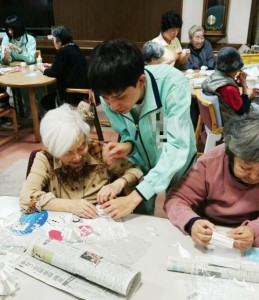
x=247 y=271
x=118 y=278
x=63 y=280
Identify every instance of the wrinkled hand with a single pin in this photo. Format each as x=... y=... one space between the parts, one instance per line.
x=202 y=232
x=47 y=65
x=187 y=53
x=110 y=191
x=178 y=52
x=254 y=93
x=14 y=47
x=41 y=68
x=113 y=150
x=122 y=206
x=7 y=51
x=83 y=209
x=243 y=237
x=241 y=78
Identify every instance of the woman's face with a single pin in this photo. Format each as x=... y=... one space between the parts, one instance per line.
x=10 y=31
x=57 y=44
x=197 y=40
x=247 y=171
x=170 y=34
x=74 y=158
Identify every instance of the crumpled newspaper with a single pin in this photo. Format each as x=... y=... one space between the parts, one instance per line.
x=8 y=280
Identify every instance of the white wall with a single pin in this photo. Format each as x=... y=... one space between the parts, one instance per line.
x=238 y=20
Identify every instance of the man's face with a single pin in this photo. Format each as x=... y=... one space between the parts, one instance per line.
x=123 y=102
x=247 y=171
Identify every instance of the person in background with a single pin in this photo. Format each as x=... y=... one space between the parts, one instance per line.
x=17 y=45
x=224 y=83
x=69 y=174
x=153 y=53
x=171 y=23
x=201 y=52
x=222 y=188
x=5 y=123
x=150 y=109
x=69 y=67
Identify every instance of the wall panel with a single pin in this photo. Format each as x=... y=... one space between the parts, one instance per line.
x=137 y=20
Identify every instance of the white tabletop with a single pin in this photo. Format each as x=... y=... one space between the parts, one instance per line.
x=157 y=282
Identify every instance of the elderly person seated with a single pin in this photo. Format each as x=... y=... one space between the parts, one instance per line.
x=222 y=188
x=70 y=174
x=225 y=82
x=153 y=53
x=201 y=50
x=69 y=67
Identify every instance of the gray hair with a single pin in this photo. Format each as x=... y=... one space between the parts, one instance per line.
x=194 y=29
x=62 y=34
x=152 y=50
x=60 y=129
x=242 y=136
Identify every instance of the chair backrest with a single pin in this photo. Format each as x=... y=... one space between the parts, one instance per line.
x=31 y=160
x=9 y=112
x=210 y=117
x=92 y=102
x=38 y=53
x=214 y=99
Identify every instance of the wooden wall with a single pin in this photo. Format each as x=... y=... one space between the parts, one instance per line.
x=97 y=20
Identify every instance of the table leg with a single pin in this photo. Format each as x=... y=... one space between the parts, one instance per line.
x=34 y=114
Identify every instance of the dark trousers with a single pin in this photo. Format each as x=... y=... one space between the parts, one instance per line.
x=194 y=110
x=48 y=102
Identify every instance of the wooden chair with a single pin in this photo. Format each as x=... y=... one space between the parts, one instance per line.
x=38 y=53
x=9 y=112
x=91 y=101
x=209 y=128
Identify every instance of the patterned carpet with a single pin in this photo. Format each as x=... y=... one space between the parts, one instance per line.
x=11 y=179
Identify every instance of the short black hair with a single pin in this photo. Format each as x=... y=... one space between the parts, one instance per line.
x=171 y=19
x=16 y=24
x=62 y=34
x=114 y=66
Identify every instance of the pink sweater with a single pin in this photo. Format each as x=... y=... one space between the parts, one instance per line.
x=214 y=194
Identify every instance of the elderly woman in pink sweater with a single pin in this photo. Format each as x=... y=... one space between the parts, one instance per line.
x=222 y=188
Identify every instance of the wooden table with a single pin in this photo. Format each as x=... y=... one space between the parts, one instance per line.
x=25 y=78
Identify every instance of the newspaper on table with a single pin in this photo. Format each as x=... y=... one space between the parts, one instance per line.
x=240 y=270
x=50 y=261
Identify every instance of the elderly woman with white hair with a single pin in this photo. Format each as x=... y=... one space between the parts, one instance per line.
x=222 y=188
x=153 y=53
x=201 y=50
x=69 y=174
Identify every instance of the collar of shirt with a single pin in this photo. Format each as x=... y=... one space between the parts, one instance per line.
x=88 y=159
x=162 y=41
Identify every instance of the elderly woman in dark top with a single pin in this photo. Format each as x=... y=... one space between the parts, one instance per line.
x=69 y=67
x=153 y=53
x=201 y=50
x=69 y=174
